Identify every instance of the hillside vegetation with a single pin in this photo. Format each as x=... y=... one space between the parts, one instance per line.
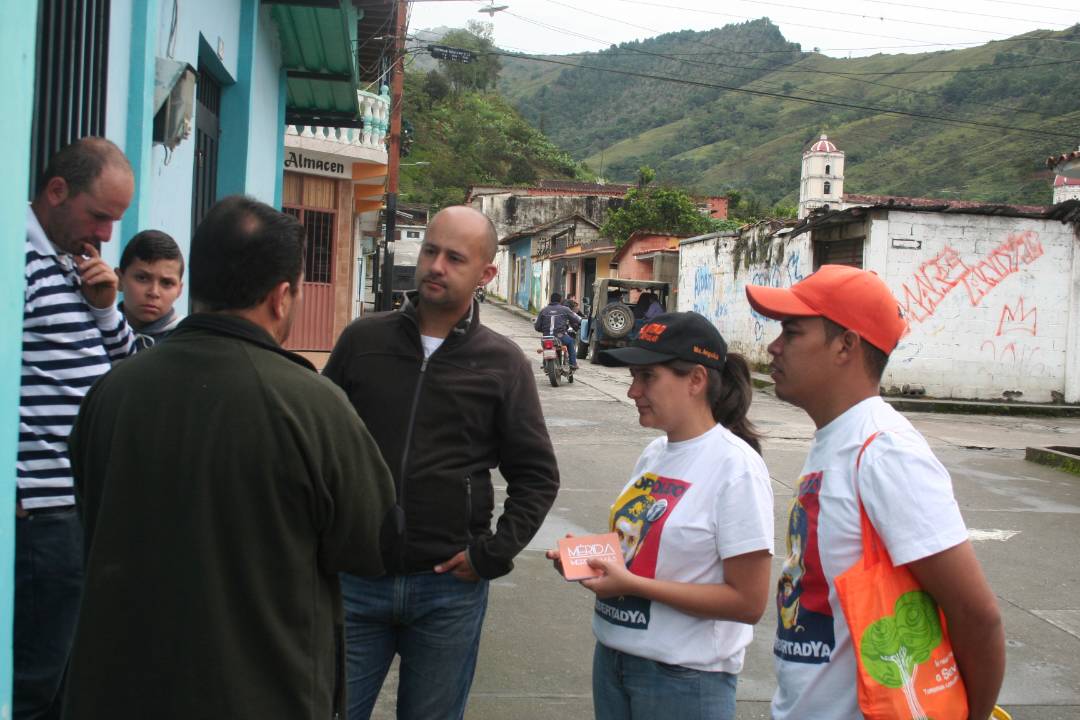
x=714 y=140
x=469 y=137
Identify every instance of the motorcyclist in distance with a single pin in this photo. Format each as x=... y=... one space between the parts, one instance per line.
x=557 y=319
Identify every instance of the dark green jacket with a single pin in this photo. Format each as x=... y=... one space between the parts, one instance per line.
x=223 y=485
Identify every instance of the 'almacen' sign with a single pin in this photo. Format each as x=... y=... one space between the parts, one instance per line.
x=314 y=163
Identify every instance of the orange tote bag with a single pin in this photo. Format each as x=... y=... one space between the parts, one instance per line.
x=906 y=667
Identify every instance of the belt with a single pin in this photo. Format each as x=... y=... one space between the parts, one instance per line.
x=21 y=512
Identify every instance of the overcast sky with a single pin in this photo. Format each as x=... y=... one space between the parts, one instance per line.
x=839 y=28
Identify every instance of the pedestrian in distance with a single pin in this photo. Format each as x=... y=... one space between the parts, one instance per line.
x=447 y=400
x=838 y=327
x=151 y=276
x=695 y=522
x=223 y=485
x=559 y=319
x=72 y=334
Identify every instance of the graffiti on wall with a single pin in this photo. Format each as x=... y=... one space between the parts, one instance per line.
x=1013 y=342
x=706 y=300
x=940 y=275
x=1017 y=320
x=536 y=290
x=716 y=298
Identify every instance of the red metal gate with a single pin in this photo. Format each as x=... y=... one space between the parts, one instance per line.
x=313 y=328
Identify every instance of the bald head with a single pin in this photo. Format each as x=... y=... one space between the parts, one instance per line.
x=465 y=221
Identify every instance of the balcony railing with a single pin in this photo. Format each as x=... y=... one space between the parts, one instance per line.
x=375 y=112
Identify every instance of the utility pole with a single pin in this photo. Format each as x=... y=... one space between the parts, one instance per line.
x=397 y=83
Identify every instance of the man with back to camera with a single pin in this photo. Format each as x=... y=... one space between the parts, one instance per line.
x=223 y=484
x=72 y=333
x=447 y=400
x=838 y=327
x=557 y=319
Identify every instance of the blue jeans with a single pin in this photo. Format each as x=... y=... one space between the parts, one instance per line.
x=432 y=621
x=48 y=585
x=571 y=349
x=627 y=686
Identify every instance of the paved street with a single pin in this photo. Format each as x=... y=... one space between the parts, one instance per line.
x=535 y=657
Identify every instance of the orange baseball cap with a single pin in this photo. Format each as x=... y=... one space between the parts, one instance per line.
x=856 y=299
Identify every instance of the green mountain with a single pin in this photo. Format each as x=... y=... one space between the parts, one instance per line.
x=462 y=137
x=708 y=134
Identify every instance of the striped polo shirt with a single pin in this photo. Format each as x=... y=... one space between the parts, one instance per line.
x=67 y=345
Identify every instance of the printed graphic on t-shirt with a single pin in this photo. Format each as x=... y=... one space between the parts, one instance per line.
x=804 y=628
x=638 y=518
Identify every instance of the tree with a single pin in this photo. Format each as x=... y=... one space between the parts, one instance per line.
x=436 y=86
x=893 y=647
x=662 y=210
x=483 y=72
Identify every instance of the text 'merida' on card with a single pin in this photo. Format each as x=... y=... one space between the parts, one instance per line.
x=576 y=552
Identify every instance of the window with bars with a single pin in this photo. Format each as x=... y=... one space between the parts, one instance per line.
x=72 y=64
x=311 y=200
x=207 y=116
x=319 y=243
x=839 y=252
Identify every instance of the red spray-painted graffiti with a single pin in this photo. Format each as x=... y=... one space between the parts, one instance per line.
x=937 y=277
x=1016 y=320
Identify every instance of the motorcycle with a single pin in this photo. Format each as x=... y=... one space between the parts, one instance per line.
x=480 y=294
x=556 y=360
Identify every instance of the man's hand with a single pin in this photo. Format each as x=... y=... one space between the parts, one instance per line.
x=99 y=281
x=615 y=581
x=460 y=567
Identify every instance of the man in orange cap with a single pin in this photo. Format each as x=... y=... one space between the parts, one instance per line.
x=838 y=327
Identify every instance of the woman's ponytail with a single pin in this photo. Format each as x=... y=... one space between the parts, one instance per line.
x=731 y=401
x=728 y=393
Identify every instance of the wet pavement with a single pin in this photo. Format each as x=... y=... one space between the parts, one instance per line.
x=535 y=655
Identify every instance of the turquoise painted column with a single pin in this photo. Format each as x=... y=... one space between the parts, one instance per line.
x=279 y=168
x=18 y=34
x=236 y=102
x=138 y=142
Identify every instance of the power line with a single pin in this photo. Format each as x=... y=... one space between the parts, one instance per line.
x=1034 y=5
x=996 y=68
x=781 y=96
x=964 y=12
x=775 y=68
x=818 y=27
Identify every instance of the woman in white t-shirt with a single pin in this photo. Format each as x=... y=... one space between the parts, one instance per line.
x=696 y=526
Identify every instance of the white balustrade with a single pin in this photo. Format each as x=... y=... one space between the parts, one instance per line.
x=375 y=114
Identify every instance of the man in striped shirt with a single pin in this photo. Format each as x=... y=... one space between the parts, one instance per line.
x=72 y=333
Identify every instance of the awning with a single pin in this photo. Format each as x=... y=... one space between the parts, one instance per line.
x=318 y=41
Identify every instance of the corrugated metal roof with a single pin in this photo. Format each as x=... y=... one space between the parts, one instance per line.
x=318 y=40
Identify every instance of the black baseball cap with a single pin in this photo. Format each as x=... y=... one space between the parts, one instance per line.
x=672 y=336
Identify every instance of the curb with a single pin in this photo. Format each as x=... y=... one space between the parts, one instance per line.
x=979 y=407
x=762 y=381
x=1062 y=458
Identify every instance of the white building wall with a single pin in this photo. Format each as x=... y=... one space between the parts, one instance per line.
x=1066 y=192
x=993 y=302
x=710 y=285
x=988 y=302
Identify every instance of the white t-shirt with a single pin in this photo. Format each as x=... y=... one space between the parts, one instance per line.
x=909 y=499
x=431 y=344
x=687 y=506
